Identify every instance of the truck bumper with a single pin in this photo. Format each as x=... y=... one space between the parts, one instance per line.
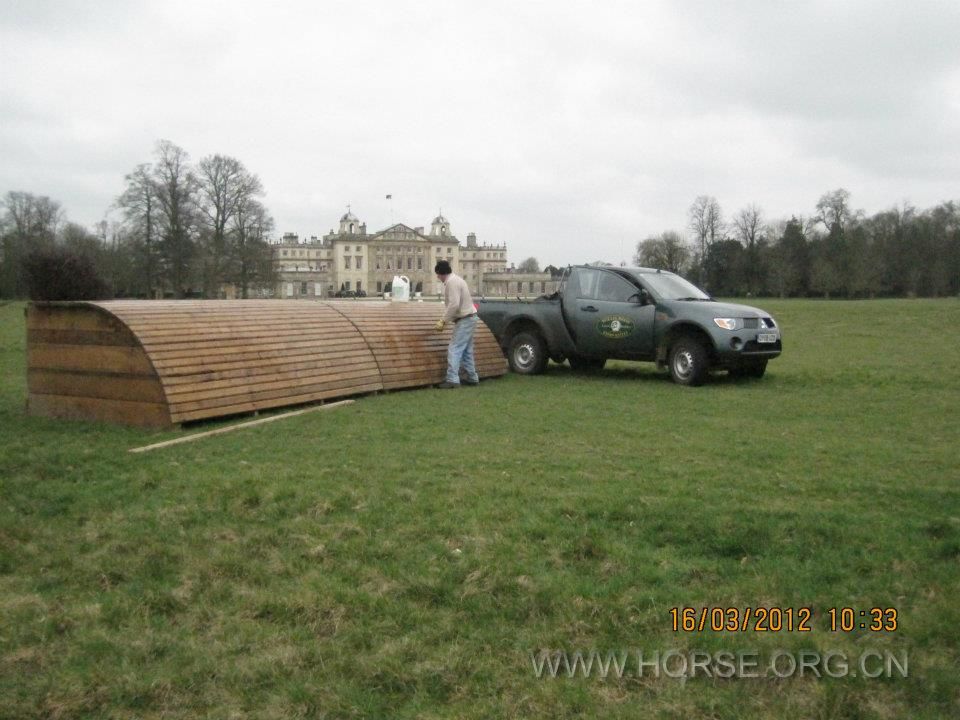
x=737 y=350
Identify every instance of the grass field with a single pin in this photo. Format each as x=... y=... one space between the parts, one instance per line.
x=403 y=557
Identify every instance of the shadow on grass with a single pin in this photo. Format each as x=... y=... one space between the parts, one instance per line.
x=641 y=372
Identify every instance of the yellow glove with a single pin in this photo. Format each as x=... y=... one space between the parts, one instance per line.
x=439 y=326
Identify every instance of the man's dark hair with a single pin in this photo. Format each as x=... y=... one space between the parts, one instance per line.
x=442 y=268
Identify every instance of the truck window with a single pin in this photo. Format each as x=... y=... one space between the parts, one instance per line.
x=614 y=288
x=585 y=282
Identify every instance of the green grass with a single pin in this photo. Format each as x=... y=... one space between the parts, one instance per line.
x=401 y=557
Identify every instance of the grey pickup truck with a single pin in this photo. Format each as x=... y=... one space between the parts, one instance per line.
x=601 y=313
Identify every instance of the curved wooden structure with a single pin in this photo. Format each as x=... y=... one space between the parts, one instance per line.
x=160 y=363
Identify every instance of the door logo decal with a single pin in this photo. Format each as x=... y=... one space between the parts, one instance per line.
x=615 y=326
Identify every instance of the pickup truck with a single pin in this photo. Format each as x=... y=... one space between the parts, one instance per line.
x=601 y=313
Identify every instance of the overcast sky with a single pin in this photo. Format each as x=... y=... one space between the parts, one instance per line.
x=569 y=130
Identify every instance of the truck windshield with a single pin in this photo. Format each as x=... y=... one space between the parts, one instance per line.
x=673 y=287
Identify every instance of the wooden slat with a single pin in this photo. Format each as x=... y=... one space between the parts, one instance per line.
x=81 y=337
x=292 y=385
x=87 y=384
x=100 y=358
x=277 y=402
x=139 y=414
x=54 y=317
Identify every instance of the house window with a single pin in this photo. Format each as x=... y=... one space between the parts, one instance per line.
x=346 y=285
x=359 y=263
x=419 y=263
x=379 y=286
x=303 y=288
x=358 y=285
x=531 y=287
x=409 y=263
x=359 y=249
x=346 y=262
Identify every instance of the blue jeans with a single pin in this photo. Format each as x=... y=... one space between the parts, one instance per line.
x=460 y=351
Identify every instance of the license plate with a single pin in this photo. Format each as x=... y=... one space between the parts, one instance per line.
x=766 y=337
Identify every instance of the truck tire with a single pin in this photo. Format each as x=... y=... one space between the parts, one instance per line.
x=527 y=354
x=586 y=365
x=688 y=361
x=749 y=369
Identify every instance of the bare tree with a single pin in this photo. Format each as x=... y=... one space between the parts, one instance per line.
x=176 y=193
x=252 y=259
x=141 y=206
x=833 y=208
x=706 y=223
x=669 y=251
x=29 y=222
x=226 y=187
x=748 y=228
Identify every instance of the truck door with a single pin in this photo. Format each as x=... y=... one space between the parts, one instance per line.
x=608 y=317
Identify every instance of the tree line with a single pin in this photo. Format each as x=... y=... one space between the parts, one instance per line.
x=834 y=252
x=183 y=230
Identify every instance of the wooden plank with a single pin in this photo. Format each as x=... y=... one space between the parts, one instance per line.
x=251 y=423
x=252 y=328
x=345 y=384
x=176 y=391
x=125 y=412
x=203 y=413
x=79 y=317
x=120 y=360
x=281 y=345
x=85 y=384
x=201 y=391
x=264 y=366
x=120 y=336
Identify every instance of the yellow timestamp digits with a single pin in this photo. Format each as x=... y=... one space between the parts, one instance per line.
x=875 y=619
x=747 y=619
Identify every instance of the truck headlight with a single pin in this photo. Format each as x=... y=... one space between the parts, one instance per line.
x=728 y=323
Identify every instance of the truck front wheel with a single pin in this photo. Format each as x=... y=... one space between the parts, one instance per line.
x=527 y=354
x=688 y=362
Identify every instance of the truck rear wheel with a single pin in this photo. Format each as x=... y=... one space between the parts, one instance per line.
x=526 y=353
x=688 y=362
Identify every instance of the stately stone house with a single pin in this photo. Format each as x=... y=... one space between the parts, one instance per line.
x=353 y=259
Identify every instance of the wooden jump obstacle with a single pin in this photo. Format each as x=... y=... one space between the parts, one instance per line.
x=155 y=363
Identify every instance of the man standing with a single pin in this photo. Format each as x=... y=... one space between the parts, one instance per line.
x=460 y=311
